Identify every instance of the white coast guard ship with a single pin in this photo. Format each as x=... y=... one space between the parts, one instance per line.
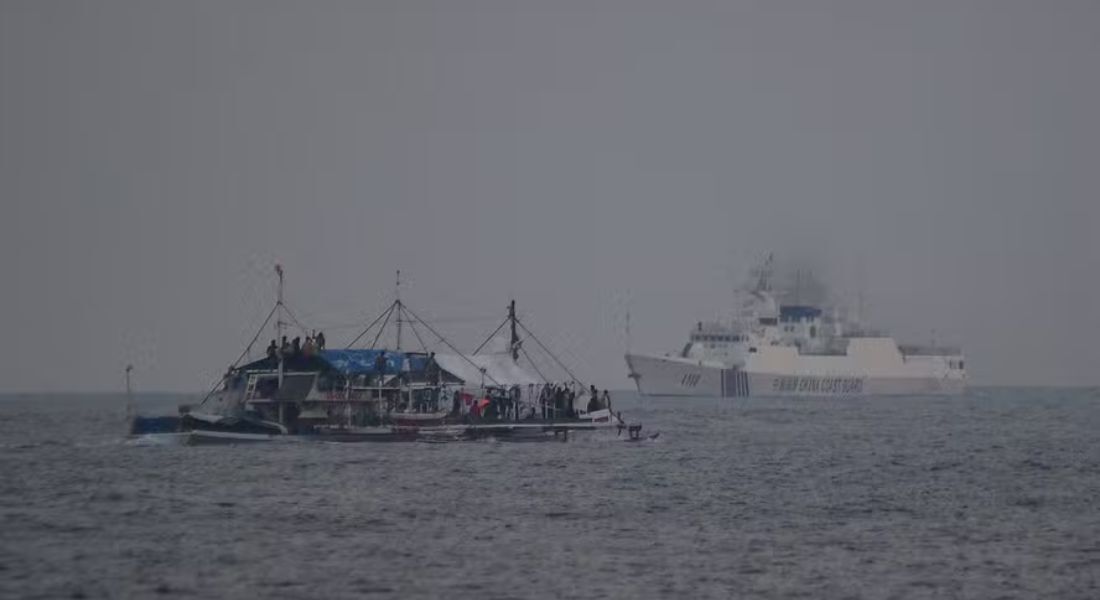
x=774 y=349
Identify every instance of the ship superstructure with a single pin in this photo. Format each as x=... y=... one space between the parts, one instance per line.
x=771 y=348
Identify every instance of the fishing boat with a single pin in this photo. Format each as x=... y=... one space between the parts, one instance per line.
x=373 y=394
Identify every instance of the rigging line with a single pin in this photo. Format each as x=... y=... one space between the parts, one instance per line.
x=412 y=325
x=372 y=324
x=451 y=346
x=532 y=363
x=289 y=312
x=382 y=328
x=491 y=336
x=247 y=349
x=547 y=351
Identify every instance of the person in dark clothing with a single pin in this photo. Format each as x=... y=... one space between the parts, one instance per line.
x=319 y=340
x=593 y=399
x=272 y=350
x=431 y=373
x=456 y=403
x=379 y=367
x=285 y=347
x=513 y=402
x=296 y=346
x=559 y=402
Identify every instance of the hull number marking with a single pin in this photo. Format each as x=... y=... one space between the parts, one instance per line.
x=826 y=385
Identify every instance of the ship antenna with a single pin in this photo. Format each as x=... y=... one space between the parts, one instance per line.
x=628 y=331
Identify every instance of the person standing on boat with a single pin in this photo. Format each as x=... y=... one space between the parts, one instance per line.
x=431 y=373
x=513 y=406
x=545 y=398
x=593 y=399
x=319 y=340
x=456 y=403
x=606 y=400
x=379 y=367
x=272 y=350
x=403 y=370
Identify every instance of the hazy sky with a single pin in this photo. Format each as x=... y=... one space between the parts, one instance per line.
x=587 y=158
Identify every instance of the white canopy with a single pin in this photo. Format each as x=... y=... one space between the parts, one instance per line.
x=490 y=369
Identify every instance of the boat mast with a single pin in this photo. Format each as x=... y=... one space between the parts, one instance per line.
x=398 y=302
x=130 y=408
x=515 y=337
x=279 y=324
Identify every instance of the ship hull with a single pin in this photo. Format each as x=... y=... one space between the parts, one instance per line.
x=670 y=376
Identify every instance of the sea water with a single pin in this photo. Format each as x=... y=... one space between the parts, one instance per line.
x=992 y=495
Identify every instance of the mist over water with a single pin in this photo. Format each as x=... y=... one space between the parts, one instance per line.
x=992 y=495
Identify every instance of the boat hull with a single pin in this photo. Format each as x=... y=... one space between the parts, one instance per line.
x=671 y=376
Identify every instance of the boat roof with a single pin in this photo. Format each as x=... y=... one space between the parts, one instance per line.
x=348 y=362
x=361 y=362
x=476 y=369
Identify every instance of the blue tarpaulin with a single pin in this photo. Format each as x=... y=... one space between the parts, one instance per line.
x=361 y=362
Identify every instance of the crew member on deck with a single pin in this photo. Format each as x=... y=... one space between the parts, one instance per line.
x=272 y=350
x=319 y=340
x=380 y=367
